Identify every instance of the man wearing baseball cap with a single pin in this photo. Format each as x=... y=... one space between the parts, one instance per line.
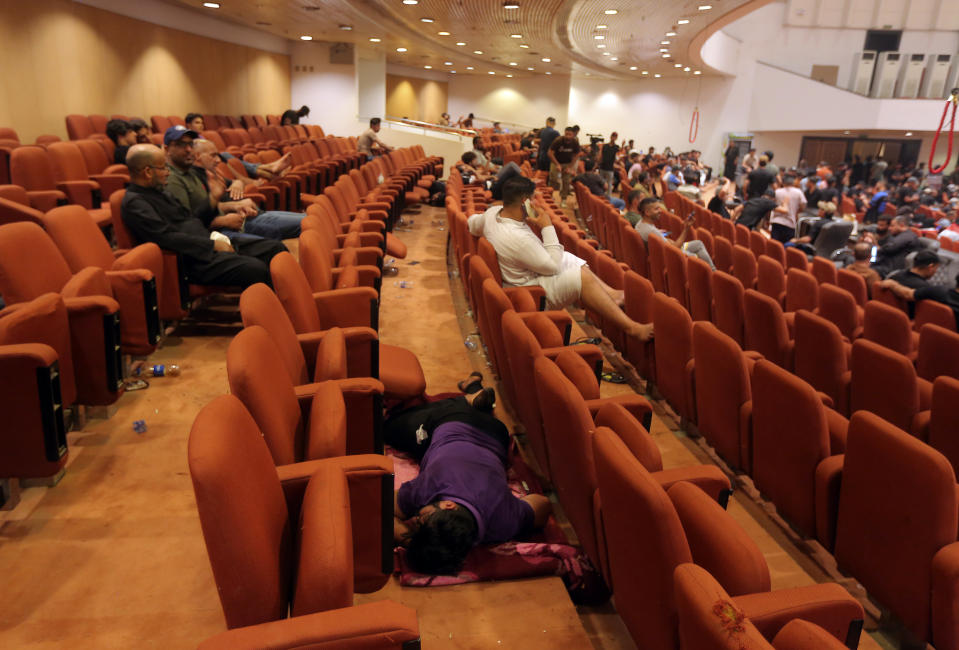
x=188 y=184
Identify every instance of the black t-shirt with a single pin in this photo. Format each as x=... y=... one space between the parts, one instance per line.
x=904 y=193
x=546 y=138
x=754 y=210
x=291 y=115
x=909 y=279
x=593 y=183
x=565 y=149
x=759 y=181
x=718 y=206
x=120 y=155
x=608 y=157
x=943 y=295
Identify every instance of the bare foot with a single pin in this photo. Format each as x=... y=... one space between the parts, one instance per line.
x=642 y=331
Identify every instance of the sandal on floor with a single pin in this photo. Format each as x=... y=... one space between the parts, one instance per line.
x=613 y=377
x=474 y=378
x=485 y=400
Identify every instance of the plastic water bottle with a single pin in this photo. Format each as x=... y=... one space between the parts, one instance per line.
x=159 y=370
x=470 y=344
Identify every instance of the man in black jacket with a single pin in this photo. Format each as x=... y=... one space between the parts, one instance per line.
x=153 y=216
x=893 y=248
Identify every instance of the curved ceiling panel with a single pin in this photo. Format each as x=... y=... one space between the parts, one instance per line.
x=617 y=39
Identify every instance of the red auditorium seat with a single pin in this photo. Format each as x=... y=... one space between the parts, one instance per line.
x=821 y=357
x=796 y=259
x=316 y=260
x=98 y=123
x=890 y=327
x=885 y=383
x=802 y=291
x=675 y=261
x=638 y=305
x=771 y=278
x=706 y=611
x=650 y=531
x=896 y=529
x=728 y=305
x=160 y=124
x=938 y=353
x=30 y=266
x=824 y=271
x=744 y=266
x=935 y=313
x=766 y=331
x=944 y=419
x=855 y=284
x=256 y=516
x=838 y=306
x=674 y=353
x=699 y=278
x=92 y=191
x=79 y=127
x=30 y=168
x=723 y=397
x=723 y=259
x=793 y=433
x=777 y=251
x=15 y=206
x=657 y=262
x=98 y=161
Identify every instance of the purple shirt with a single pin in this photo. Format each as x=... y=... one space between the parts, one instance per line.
x=467 y=466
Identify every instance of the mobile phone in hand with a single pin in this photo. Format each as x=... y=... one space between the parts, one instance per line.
x=530 y=212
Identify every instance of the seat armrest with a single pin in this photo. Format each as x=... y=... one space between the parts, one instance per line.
x=365 y=255
x=362 y=350
x=838 y=428
x=145 y=256
x=802 y=635
x=11 y=211
x=90 y=281
x=590 y=353
x=829 y=606
x=79 y=192
x=945 y=595
x=828 y=480
x=346 y=307
x=637 y=405
x=367 y=239
x=708 y=478
x=109 y=183
x=382 y=624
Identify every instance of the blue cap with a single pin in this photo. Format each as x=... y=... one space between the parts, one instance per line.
x=176 y=132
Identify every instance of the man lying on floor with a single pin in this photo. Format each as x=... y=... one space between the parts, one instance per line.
x=460 y=497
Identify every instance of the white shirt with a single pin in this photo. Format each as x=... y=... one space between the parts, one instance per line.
x=795 y=201
x=523 y=257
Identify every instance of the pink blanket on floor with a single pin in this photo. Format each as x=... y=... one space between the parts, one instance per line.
x=546 y=552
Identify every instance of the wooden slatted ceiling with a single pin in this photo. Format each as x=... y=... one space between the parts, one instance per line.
x=559 y=30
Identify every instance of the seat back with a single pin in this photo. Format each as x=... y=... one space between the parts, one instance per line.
x=757 y=243
x=938 y=353
x=699 y=278
x=832 y=237
x=802 y=290
x=675 y=262
x=728 y=305
x=790 y=438
x=723 y=259
x=30 y=264
x=855 y=284
x=94 y=156
x=657 y=262
x=888 y=326
x=766 y=331
x=316 y=261
x=243 y=514
x=293 y=290
x=487 y=253
x=838 y=305
x=567 y=426
x=68 y=162
x=258 y=377
x=883 y=382
x=897 y=508
x=771 y=278
x=936 y=313
x=79 y=127
x=80 y=241
x=634 y=249
x=944 y=420
x=722 y=390
x=30 y=168
x=638 y=305
x=744 y=266
x=820 y=356
x=645 y=541
x=796 y=259
x=777 y=251
x=673 y=352
x=741 y=236
x=824 y=271
x=260 y=306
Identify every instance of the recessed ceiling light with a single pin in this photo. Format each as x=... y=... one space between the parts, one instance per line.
x=524 y=46
x=401 y=49
x=211 y=5
x=452 y=71
x=602 y=27
x=410 y=2
x=664 y=49
x=374 y=40
x=548 y=72
x=606 y=53
x=705 y=7
x=510 y=5
x=657 y=75
x=645 y=72
x=686 y=69
x=530 y=69
x=510 y=76
x=443 y=33
x=664 y=42
x=908 y=133
x=447 y=63
x=599 y=37
x=477 y=51
x=306 y=38
x=513 y=63
x=428 y=67
x=677 y=65
x=469 y=67
x=491 y=72
x=670 y=33
x=615 y=58
x=682 y=21
x=516 y=36
x=601 y=46
x=610 y=12
x=461 y=43
x=698 y=72
x=426 y=20
x=666 y=56
x=546 y=60
x=632 y=67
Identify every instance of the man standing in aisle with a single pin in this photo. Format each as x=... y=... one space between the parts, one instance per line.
x=783 y=224
x=546 y=138
x=607 y=162
x=563 y=154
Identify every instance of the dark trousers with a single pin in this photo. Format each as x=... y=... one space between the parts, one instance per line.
x=781 y=233
x=399 y=429
x=249 y=265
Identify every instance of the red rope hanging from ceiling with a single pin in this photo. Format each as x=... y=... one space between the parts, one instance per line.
x=954 y=100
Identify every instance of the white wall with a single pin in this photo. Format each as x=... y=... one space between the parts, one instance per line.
x=527 y=101
x=370 y=83
x=329 y=89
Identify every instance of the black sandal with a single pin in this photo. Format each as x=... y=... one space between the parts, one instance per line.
x=486 y=400
x=470 y=385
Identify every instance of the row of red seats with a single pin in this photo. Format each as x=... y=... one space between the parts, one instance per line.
x=636 y=521
x=717 y=387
